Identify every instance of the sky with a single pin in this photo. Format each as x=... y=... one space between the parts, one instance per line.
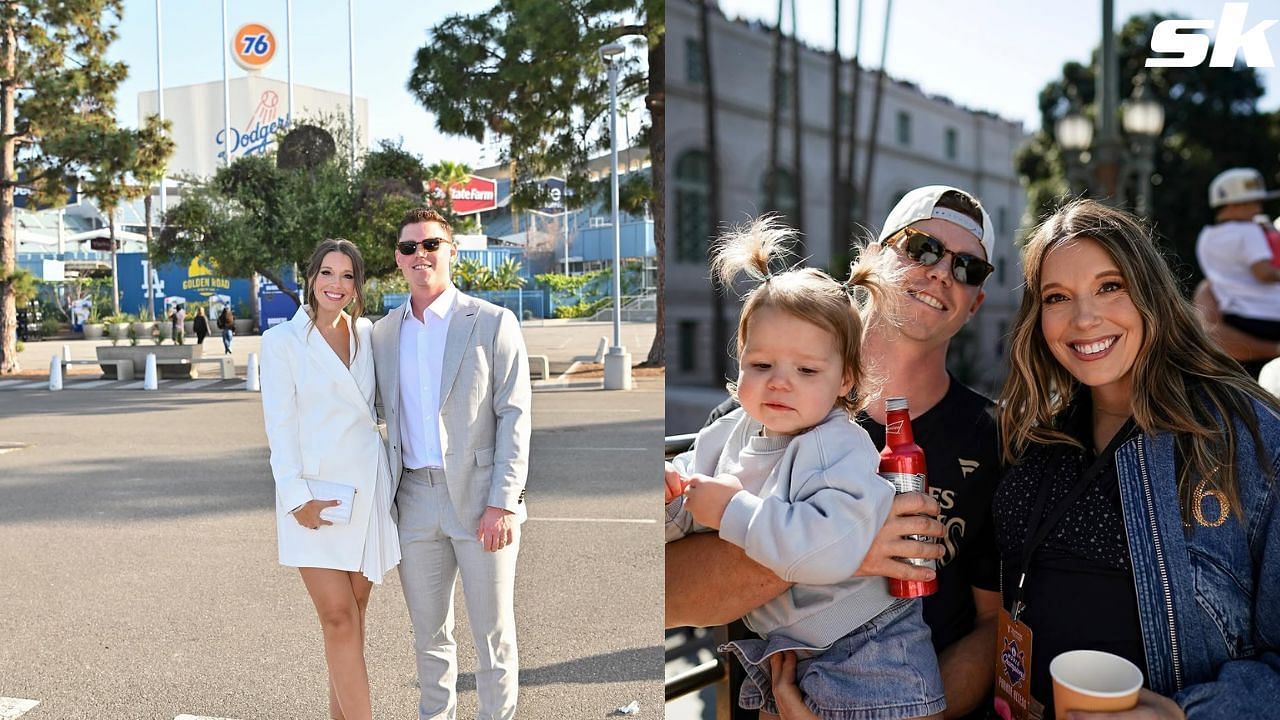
x=388 y=34
x=993 y=55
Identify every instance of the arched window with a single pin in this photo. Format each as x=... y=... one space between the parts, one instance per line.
x=786 y=204
x=693 y=196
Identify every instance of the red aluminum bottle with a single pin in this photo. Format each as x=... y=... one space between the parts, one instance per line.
x=902 y=465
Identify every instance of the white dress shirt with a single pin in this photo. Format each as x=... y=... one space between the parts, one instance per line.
x=422 y=343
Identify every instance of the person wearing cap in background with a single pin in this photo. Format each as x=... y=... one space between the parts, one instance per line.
x=1240 y=298
x=943 y=240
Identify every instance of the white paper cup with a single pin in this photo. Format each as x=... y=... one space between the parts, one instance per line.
x=1093 y=681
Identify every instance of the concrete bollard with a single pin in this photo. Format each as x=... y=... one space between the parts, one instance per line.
x=55 y=373
x=604 y=343
x=149 y=381
x=251 y=381
x=66 y=353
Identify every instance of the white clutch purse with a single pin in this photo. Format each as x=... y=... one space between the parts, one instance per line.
x=339 y=514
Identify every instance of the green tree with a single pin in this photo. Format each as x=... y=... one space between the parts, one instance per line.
x=255 y=216
x=444 y=178
x=25 y=286
x=1212 y=123
x=131 y=162
x=391 y=182
x=507 y=276
x=469 y=274
x=57 y=94
x=503 y=72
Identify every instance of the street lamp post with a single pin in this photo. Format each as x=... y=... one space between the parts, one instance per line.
x=617 y=363
x=1102 y=165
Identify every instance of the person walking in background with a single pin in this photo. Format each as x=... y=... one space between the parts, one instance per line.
x=1142 y=480
x=333 y=481
x=178 y=319
x=200 y=325
x=226 y=323
x=1238 y=260
x=453 y=386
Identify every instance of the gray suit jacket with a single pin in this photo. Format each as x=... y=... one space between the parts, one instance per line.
x=485 y=400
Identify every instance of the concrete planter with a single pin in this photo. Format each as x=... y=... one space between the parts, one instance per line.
x=143 y=329
x=162 y=352
x=120 y=331
x=244 y=327
x=93 y=331
x=166 y=330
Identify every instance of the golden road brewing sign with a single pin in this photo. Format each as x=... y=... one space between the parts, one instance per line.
x=202 y=279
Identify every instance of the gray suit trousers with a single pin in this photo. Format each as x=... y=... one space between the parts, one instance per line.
x=435 y=547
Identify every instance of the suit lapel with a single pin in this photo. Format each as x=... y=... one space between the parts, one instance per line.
x=456 y=342
x=389 y=379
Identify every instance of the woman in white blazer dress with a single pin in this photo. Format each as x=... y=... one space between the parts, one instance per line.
x=317 y=400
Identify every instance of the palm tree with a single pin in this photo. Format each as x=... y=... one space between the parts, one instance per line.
x=850 y=192
x=719 y=323
x=658 y=167
x=868 y=172
x=467 y=274
x=507 y=276
x=797 y=132
x=448 y=176
x=837 y=189
x=775 y=116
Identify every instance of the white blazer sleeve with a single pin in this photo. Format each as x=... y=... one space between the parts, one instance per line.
x=280 y=411
x=512 y=399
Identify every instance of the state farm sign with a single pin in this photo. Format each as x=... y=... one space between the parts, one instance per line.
x=476 y=195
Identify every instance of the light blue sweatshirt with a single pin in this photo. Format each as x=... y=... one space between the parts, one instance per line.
x=810 y=506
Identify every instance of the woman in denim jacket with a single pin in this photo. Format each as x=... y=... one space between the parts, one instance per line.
x=1139 y=513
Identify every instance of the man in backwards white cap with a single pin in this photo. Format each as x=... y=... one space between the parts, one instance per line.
x=1239 y=266
x=943 y=238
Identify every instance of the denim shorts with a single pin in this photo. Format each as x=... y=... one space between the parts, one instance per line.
x=885 y=669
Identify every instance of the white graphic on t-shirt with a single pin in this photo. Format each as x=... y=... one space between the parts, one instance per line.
x=968 y=466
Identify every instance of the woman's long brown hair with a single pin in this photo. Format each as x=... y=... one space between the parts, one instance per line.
x=1182 y=382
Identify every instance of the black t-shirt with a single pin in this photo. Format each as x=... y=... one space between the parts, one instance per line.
x=958 y=436
x=1085 y=556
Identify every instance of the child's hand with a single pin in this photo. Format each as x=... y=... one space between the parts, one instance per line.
x=675 y=482
x=782 y=671
x=706 y=498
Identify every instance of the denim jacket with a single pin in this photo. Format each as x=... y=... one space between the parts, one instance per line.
x=1208 y=597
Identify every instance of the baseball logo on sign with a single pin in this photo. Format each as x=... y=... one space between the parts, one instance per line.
x=254 y=46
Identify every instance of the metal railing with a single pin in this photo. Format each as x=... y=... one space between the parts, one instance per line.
x=718 y=671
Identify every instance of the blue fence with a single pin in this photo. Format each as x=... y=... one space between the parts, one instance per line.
x=524 y=303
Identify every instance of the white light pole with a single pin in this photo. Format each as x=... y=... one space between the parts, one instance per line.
x=617 y=363
x=288 y=42
x=351 y=76
x=151 y=295
x=226 y=93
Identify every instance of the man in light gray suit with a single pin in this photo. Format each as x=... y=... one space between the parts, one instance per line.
x=453 y=387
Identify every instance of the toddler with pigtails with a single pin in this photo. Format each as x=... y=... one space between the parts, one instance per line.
x=792 y=479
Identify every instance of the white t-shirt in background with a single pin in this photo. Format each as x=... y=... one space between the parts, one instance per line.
x=1225 y=252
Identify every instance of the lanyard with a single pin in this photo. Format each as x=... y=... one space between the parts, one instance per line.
x=1041 y=525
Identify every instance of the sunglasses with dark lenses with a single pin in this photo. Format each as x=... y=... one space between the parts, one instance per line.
x=927 y=250
x=408 y=247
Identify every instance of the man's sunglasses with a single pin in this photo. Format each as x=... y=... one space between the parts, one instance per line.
x=927 y=250
x=408 y=247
